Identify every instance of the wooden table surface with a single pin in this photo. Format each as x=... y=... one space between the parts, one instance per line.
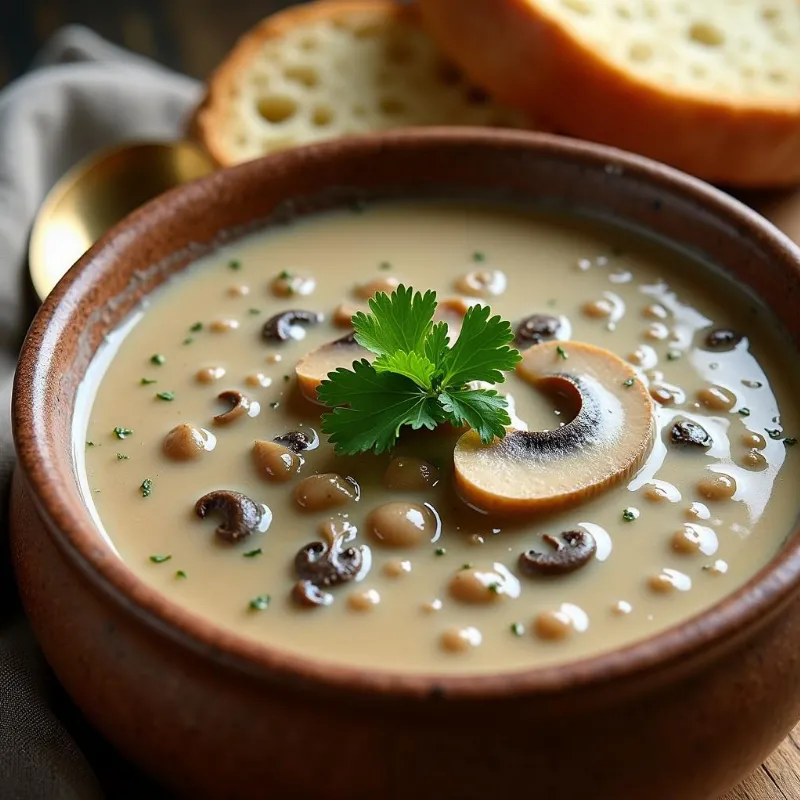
x=191 y=36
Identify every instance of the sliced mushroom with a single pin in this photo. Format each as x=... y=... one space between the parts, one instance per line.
x=573 y=550
x=328 y=564
x=241 y=516
x=241 y=406
x=687 y=432
x=314 y=367
x=536 y=329
x=309 y=595
x=532 y=471
x=288 y=325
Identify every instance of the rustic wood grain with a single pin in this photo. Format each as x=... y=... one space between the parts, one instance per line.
x=192 y=36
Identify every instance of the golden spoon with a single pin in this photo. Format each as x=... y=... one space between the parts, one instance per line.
x=98 y=192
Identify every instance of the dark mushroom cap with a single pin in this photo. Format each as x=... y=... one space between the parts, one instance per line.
x=536 y=328
x=573 y=550
x=686 y=432
x=240 y=405
x=308 y=595
x=327 y=565
x=278 y=328
x=722 y=339
x=241 y=516
x=296 y=441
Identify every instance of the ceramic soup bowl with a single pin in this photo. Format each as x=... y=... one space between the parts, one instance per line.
x=684 y=714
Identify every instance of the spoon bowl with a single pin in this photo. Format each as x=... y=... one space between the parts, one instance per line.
x=97 y=193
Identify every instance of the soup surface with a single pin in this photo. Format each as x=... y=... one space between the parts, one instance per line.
x=439 y=585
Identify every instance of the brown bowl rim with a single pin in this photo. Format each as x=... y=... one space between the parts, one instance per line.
x=701 y=635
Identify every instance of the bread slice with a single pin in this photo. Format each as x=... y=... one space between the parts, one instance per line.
x=710 y=86
x=331 y=68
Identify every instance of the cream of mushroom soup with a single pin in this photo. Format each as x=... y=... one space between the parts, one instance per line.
x=649 y=469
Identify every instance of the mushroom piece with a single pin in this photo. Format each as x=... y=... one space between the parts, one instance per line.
x=284 y=326
x=241 y=516
x=315 y=366
x=573 y=550
x=531 y=471
x=309 y=595
x=241 y=405
x=536 y=329
x=686 y=432
x=722 y=339
x=296 y=441
x=328 y=564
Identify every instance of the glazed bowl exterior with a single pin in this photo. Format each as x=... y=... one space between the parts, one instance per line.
x=684 y=714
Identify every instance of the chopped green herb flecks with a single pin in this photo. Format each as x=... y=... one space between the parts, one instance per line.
x=745 y=412
x=198 y=326
x=147 y=381
x=122 y=457
x=774 y=433
x=188 y=340
x=630 y=514
x=287 y=378
x=440 y=551
x=478 y=256
x=160 y=559
x=494 y=587
x=285 y=275
x=146 y=488
x=234 y=264
x=253 y=553
x=253 y=311
x=180 y=574
x=629 y=382
x=168 y=396
x=562 y=352
x=90 y=444
x=122 y=433
x=517 y=628
x=790 y=441
x=673 y=355
x=260 y=602
x=385 y=265
x=274 y=404
x=466 y=566
x=157 y=359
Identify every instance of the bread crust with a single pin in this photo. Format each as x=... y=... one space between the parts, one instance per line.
x=542 y=68
x=208 y=120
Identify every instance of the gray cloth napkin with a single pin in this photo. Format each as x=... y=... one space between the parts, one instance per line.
x=83 y=94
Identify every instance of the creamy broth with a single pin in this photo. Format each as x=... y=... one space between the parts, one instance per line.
x=689 y=527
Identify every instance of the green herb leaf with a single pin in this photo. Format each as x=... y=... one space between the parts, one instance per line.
x=562 y=352
x=147 y=381
x=481 y=350
x=122 y=433
x=418 y=368
x=628 y=382
x=478 y=256
x=253 y=553
x=146 y=487
x=378 y=405
x=180 y=573
x=160 y=559
x=168 y=396
x=745 y=412
x=517 y=628
x=122 y=457
x=417 y=380
x=483 y=410
x=260 y=602
x=198 y=326
x=630 y=514
x=157 y=359
x=399 y=321
x=440 y=551
x=234 y=263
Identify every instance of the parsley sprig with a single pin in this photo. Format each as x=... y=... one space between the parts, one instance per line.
x=418 y=379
